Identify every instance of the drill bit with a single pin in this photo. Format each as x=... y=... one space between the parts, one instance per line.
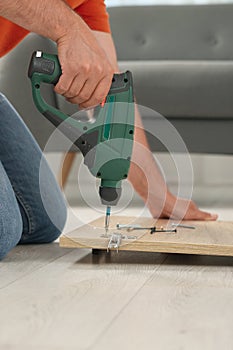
x=107 y=218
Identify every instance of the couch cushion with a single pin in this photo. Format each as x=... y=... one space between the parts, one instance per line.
x=184 y=88
x=189 y=32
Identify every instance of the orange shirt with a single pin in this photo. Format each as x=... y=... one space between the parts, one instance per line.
x=93 y=12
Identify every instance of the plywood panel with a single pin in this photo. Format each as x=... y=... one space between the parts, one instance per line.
x=208 y=238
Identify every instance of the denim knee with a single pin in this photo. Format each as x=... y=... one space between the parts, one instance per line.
x=53 y=227
x=47 y=227
x=11 y=227
x=2 y=97
x=53 y=210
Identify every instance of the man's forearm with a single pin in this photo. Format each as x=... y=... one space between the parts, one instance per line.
x=51 y=18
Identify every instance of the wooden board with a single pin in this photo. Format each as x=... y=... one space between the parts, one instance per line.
x=208 y=238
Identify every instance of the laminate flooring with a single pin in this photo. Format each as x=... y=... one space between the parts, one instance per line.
x=60 y=298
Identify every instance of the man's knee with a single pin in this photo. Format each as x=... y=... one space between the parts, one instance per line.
x=55 y=218
x=2 y=97
x=54 y=225
x=54 y=211
x=11 y=227
x=49 y=223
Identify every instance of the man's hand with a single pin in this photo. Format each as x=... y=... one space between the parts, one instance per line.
x=160 y=201
x=86 y=72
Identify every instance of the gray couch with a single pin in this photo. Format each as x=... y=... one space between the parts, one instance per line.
x=182 y=62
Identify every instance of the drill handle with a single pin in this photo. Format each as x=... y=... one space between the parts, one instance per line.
x=45 y=68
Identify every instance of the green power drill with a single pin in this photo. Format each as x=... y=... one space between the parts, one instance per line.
x=105 y=144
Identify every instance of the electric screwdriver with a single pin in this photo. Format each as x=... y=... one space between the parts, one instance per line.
x=105 y=144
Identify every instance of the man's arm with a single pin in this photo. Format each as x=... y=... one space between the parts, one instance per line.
x=48 y=18
x=87 y=72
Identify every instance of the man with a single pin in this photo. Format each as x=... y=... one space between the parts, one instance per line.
x=88 y=60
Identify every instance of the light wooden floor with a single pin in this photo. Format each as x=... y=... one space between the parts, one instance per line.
x=53 y=298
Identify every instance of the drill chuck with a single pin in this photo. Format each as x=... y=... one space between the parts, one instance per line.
x=109 y=195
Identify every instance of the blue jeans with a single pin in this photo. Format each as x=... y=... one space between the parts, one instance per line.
x=23 y=217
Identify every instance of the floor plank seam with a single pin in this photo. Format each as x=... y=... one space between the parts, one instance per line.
x=36 y=269
x=90 y=347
